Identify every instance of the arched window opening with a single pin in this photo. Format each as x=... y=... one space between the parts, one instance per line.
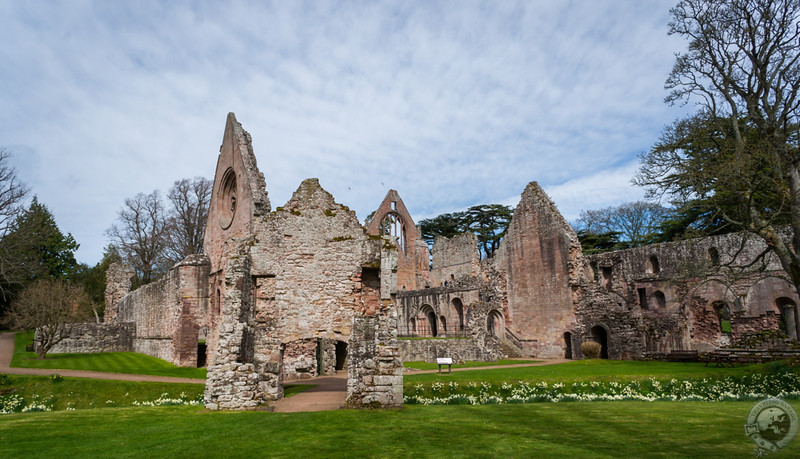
x=607 y=277
x=226 y=199
x=459 y=308
x=713 y=256
x=723 y=313
x=393 y=225
x=443 y=324
x=653 y=266
x=659 y=299
x=217 y=303
x=642 y=298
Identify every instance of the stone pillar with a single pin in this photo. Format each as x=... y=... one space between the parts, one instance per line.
x=118 y=284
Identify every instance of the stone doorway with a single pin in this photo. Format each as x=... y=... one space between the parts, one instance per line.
x=600 y=335
x=341 y=355
x=568 y=345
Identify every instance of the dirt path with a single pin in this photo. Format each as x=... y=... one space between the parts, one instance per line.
x=328 y=393
x=7 y=352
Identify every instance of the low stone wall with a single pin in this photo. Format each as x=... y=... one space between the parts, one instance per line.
x=92 y=337
x=459 y=350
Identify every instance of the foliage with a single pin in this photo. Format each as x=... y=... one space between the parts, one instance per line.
x=489 y=222
x=34 y=248
x=111 y=362
x=591 y=349
x=600 y=242
x=630 y=224
x=50 y=306
x=736 y=159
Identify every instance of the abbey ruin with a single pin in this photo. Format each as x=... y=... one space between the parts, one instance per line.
x=305 y=290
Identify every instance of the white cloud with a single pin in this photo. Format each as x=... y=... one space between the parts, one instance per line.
x=451 y=103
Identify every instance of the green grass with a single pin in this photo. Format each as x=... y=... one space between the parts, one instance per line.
x=587 y=370
x=84 y=393
x=420 y=365
x=598 y=429
x=109 y=362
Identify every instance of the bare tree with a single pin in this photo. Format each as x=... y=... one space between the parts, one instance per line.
x=12 y=192
x=140 y=235
x=50 y=306
x=186 y=224
x=12 y=195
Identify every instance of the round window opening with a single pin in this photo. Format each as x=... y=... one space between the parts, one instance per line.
x=226 y=205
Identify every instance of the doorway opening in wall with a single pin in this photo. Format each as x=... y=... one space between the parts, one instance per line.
x=599 y=335
x=430 y=322
x=568 y=345
x=341 y=355
x=459 y=308
x=202 y=349
x=494 y=324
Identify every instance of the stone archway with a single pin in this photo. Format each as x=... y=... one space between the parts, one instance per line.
x=458 y=306
x=495 y=325
x=431 y=324
x=599 y=335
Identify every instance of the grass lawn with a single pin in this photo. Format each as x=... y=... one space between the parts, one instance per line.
x=109 y=362
x=587 y=370
x=420 y=365
x=84 y=393
x=597 y=429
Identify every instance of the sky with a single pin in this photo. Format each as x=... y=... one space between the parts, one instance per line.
x=452 y=104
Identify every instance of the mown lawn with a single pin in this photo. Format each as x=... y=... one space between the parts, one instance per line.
x=597 y=429
x=587 y=370
x=420 y=365
x=85 y=393
x=109 y=362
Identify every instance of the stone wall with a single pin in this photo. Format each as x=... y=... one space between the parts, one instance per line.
x=413 y=257
x=666 y=297
x=456 y=258
x=460 y=350
x=118 y=284
x=90 y=338
x=539 y=257
x=309 y=275
x=169 y=312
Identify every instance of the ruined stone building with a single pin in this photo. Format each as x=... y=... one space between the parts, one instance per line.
x=306 y=290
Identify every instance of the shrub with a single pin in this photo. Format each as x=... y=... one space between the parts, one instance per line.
x=591 y=349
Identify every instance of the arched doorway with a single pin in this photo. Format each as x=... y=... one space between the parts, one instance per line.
x=494 y=324
x=459 y=308
x=568 y=345
x=443 y=324
x=430 y=316
x=599 y=335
